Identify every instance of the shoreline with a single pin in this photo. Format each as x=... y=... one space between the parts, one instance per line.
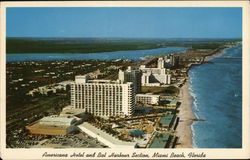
x=186 y=116
x=217 y=54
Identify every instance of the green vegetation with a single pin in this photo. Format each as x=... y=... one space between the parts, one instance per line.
x=147 y=89
x=31 y=45
x=35 y=109
x=171 y=90
x=91 y=45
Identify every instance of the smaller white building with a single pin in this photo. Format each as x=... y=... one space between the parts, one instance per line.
x=105 y=138
x=147 y=99
x=155 y=76
x=57 y=121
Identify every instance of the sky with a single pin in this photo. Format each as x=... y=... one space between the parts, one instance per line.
x=107 y=22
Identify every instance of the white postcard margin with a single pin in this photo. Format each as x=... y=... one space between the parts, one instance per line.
x=244 y=152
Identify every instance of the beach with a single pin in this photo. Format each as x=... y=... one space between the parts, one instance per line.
x=186 y=115
x=218 y=53
x=218 y=111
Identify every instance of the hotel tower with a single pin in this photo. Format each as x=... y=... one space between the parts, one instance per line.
x=103 y=97
x=132 y=74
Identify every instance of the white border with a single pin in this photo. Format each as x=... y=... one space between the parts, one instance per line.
x=7 y=153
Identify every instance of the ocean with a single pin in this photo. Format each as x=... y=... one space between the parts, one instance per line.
x=135 y=55
x=217 y=92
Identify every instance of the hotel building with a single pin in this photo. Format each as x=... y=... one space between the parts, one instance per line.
x=131 y=75
x=171 y=61
x=103 y=97
x=147 y=99
x=155 y=76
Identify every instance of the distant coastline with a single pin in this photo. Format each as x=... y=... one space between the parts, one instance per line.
x=23 y=45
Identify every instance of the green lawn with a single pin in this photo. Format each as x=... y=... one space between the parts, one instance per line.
x=171 y=90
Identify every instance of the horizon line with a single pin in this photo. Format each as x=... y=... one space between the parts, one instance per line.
x=131 y=37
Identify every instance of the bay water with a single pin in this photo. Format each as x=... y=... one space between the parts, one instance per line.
x=135 y=55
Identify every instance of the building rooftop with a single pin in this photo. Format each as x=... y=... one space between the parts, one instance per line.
x=57 y=119
x=148 y=95
x=173 y=102
x=102 y=81
x=65 y=82
x=106 y=136
x=160 y=141
x=166 y=120
x=85 y=79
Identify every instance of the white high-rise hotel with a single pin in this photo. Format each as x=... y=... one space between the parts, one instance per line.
x=103 y=97
x=132 y=74
x=155 y=76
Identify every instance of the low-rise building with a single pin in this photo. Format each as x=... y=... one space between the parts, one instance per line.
x=50 y=89
x=104 y=137
x=57 y=121
x=147 y=99
x=52 y=126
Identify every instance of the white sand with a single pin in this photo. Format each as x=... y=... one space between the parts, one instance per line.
x=184 y=131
